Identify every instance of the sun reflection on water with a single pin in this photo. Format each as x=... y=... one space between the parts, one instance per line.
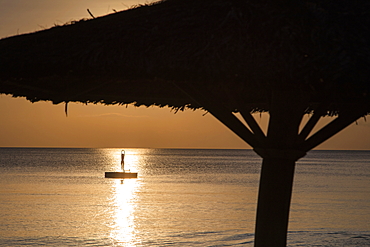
x=124 y=204
x=123 y=199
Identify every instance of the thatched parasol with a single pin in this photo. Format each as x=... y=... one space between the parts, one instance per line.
x=286 y=57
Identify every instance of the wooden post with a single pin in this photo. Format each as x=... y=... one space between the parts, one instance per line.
x=277 y=173
x=274 y=202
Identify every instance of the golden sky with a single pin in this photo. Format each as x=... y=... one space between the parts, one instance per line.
x=42 y=124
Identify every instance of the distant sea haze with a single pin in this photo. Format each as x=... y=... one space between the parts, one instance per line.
x=182 y=197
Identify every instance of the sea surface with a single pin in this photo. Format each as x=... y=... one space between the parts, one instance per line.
x=182 y=197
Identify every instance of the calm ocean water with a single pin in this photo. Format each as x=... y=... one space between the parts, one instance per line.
x=59 y=197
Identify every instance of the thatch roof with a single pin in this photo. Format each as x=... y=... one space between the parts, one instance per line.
x=235 y=52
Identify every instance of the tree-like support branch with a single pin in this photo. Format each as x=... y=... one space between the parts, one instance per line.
x=314 y=119
x=220 y=112
x=249 y=119
x=235 y=125
x=344 y=119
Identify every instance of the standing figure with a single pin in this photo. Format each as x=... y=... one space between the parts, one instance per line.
x=123 y=160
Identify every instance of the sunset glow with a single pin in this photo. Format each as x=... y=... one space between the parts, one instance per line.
x=45 y=125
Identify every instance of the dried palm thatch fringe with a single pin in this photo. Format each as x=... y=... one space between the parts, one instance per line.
x=90 y=14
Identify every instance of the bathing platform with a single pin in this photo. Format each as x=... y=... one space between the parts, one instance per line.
x=121 y=175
